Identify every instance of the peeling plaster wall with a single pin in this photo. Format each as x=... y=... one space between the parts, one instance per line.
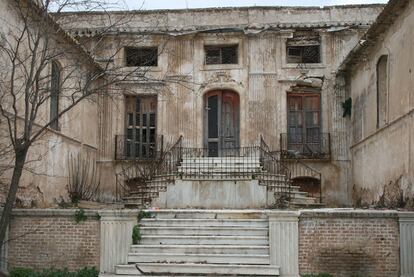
x=261 y=78
x=385 y=155
x=46 y=176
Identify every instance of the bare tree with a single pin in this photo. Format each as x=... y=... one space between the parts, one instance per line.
x=32 y=78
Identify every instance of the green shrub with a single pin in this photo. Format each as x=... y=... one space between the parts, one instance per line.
x=22 y=272
x=80 y=215
x=26 y=272
x=88 y=272
x=143 y=214
x=136 y=235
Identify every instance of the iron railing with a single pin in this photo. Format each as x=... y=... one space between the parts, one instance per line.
x=305 y=147
x=275 y=176
x=232 y=163
x=127 y=149
x=252 y=162
x=308 y=178
x=146 y=177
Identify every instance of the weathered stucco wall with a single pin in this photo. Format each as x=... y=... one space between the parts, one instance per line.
x=382 y=156
x=261 y=78
x=46 y=176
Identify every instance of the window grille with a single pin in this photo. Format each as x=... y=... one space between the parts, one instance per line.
x=141 y=56
x=140 y=140
x=304 y=47
x=221 y=54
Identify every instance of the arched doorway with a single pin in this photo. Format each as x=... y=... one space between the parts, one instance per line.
x=221 y=122
x=308 y=184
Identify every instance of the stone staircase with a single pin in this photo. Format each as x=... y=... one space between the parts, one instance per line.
x=201 y=243
x=218 y=169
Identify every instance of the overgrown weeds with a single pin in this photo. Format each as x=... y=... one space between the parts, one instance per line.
x=27 y=272
x=84 y=179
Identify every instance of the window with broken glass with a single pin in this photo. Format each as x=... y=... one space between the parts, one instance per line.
x=140 y=133
x=141 y=56
x=304 y=131
x=221 y=54
x=304 y=47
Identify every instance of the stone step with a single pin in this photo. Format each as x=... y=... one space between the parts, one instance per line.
x=207 y=214
x=211 y=240
x=223 y=176
x=300 y=199
x=139 y=196
x=145 y=193
x=210 y=269
x=299 y=193
x=210 y=231
x=228 y=162
x=166 y=222
x=201 y=249
x=197 y=258
x=209 y=170
x=246 y=159
x=298 y=205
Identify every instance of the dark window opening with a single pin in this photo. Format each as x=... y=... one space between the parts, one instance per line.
x=221 y=54
x=54 y=96
x=141 y=132
x=382 y=91
x=304 y=47
x=141 y=56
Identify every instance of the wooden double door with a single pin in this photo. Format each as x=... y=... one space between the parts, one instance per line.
x=221 y=123
x=304 y=122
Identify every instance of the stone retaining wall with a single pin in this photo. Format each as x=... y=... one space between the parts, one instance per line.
x=341 y=242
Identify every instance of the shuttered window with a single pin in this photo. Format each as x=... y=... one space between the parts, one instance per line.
x=304 y=117
x=140 y=133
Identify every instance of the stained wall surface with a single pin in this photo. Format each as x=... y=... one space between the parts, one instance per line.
x=382 y=155
x=261 y=78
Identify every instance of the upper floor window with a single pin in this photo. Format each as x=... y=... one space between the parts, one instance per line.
x=382 y=91
x=54 y=96
x=304 y=47
x=140 y=124
x=221 y=54
x=141 y=56
x=304 y=138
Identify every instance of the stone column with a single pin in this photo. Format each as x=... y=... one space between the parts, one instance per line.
x=407 y=243
x=284 y=242
x=116 y=238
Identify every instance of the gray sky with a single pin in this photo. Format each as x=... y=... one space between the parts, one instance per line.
x=182 y=4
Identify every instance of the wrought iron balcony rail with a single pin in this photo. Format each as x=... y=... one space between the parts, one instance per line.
x=294 y=146
x=128 y=149
x=147 y=175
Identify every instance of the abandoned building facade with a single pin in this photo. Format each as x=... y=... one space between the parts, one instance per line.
x=215 y=119
x=231 y=95
x=228 y=79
